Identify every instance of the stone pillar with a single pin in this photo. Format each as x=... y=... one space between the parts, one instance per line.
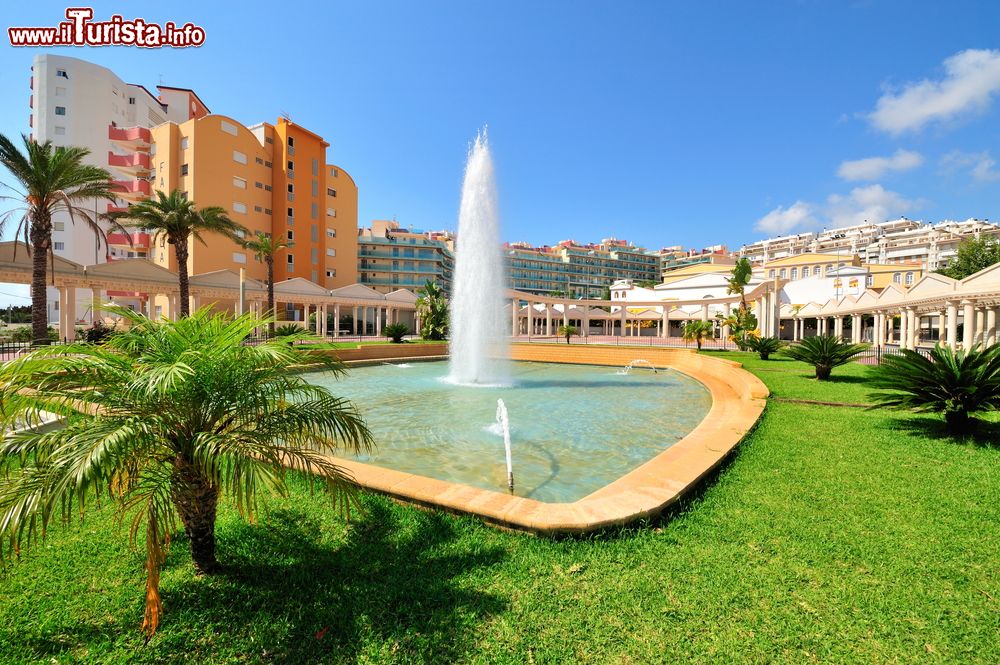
x=969 y=323
x=838 y=327
x=585 y=324
x=991 y=327
x=904 y=327
x=513 y=318
x=336 y=320
x=727 y=310
x=623 y=313
x=942 y=327
x=704 y=312
x=856 y=332
x=952 y=309
x=175 y=313
x=980 y=326
x=565 y=313
x=378 y=321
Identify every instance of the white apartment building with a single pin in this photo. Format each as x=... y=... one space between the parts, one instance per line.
x=78 y=103
x=897 y=241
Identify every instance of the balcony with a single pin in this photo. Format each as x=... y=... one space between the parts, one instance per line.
x=130 y=137
x=140 y=240
x=137 y=162
x=132 y=190
x=113 y=209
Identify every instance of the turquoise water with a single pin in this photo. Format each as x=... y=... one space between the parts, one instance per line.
x=574 y=428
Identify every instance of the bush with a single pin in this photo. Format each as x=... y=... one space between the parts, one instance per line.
x=396 y=331
x=955 y=383
x=697 y=332
x=567 y=332
x=763 y=346
x=824 y=352
x=97 y=333
x=287 y=330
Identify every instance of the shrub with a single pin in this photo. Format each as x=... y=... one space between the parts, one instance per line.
x=287 y=330
x=955 y=383
x=824 y=352
x=396 y=331
x=697 y=332
x=97 y=333
x=763 y=346
x=567 y=332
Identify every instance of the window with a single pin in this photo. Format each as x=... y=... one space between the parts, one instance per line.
x=268 y=139
x=869 y=280
x=258 y=209
x=228 y=127
x=331 y=273
x=239 y=157
x=909 y=278
x=816 y=270
x=291 y=142
x=60 y=92
x=314 y=255
x=314 y=233
x=315 y=188
x=131 y=100
x=239 y=207
x=239 y=183
x=897 y=278
x=291 y=165
x=795 y=273
x=334 y=173
x=61 y=73
x=291 y=235
x=267 y=211
x=315 y=167
x=267 y=188
x=259 y=185
x=782 y=273
x=60 y=110
x=259 y=160
x=330 y=251
x=291 y=188
x=60 y=131
x=290 y=259
x=239 y=257
x=58 y=226
x=331 y=233
x=330 y=191
x=770 y=273
x=58 y=246
x=267 y=164
x=184 y=169
x=314 y=211
x=330 y=212
x=184 y=143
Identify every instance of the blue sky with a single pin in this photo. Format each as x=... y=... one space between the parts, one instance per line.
x=665 y=123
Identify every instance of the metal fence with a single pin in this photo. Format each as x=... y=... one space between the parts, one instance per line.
x=640 y=341
x=873 y=355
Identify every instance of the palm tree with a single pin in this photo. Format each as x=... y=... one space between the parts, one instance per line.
x=264 y=248
x=567 y=331
x=743 y=321
x=955 y=383
x=165 y=417
x=50 y=180
x=824 y=352
x=738 y=280
x=432 y=308
x=763 y=346
x=697 y=331
x=396 y=332
x=178 y=220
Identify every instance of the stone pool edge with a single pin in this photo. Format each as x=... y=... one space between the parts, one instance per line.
x=738 y=400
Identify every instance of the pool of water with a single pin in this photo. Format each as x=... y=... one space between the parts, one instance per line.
x=574 y=428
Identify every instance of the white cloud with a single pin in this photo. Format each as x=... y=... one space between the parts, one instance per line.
x=872 y=203
x=873 y=168
x=981 y=165
x=781 y=219
x=971 y=79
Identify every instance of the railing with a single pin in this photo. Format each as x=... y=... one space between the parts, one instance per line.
x=874 y=355
x=715 y=344
x=139 y=134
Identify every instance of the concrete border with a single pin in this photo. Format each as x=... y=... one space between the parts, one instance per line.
x=738 y=399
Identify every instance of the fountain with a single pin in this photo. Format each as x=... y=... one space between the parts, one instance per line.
x=638 y=362
x=503 y=423
x=478 y=345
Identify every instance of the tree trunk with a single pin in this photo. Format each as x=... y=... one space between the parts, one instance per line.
x=181 y=248
x=270 y=292
x=957 y=422
x=823 y=372
x=196 y=500
x=41 y=238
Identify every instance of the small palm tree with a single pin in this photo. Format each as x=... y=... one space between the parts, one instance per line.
x=739 y=279
x=178 y=220
x=567 y=331
x=763 y=346
x=824 y=352
x=264 y=248
x=49 y=181
x=432 y=308
x=166 y=417
x=396 y=332
x=697 y=332
x=955 y=383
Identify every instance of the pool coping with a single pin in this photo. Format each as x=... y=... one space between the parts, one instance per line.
x=738 y=399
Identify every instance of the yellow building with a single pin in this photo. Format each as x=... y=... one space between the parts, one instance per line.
x=812 y=264
x=272 y=179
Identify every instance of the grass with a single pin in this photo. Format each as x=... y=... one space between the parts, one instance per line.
x=834 y=534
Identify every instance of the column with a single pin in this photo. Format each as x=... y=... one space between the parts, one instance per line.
x=548 y=320
x=878 y=330
x=565 y=314
x=969 y=324
x=856 y=328
x=942 y=327
x=513 y=318
x=531 y=318
x=622 y=314
x=991 y=327
x=704 y=312
x=63 y=297
x=820 y=325
x=378 y=321
x=904 y=328
x=980 y=326
x=322 y=319
x=952 y=309
x=585 y=324
x=727 y=310
x=336 y=320
x=838 y=327
x=175 y=313
x=911 y=328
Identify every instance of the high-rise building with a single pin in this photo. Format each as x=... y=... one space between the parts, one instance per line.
x=579 y=271
x=272 y=179
x=391 y=257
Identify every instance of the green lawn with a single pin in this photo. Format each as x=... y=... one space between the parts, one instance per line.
x=835 y=534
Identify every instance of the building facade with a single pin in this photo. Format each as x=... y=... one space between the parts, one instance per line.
x=578 y=271
x=897 y=241
x=390 y=257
